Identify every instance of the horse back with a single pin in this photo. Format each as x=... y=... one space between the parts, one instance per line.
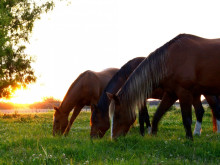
x=194 y=63
x=104 y=77
x=93 y=83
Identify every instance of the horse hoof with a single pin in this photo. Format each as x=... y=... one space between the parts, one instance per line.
x=149 y=130
x=142 y=132
x=154 y=133
x=218 y=126
x=189 y=136
x=197 y=132
x=65 y=134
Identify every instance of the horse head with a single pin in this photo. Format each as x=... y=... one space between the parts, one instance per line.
x=121 y=121
x=60 y=122
x=99 y=122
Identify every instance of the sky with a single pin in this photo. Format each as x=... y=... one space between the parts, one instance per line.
x=98 y=34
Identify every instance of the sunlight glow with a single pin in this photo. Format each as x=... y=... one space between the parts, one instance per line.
x=22 y=95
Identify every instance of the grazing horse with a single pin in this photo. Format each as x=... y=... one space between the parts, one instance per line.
x=85 y=90
x=100 y=119
x=185 y=67
x=100 y=116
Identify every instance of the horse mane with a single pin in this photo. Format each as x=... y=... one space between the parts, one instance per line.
x=145 y=77
x=116 y=82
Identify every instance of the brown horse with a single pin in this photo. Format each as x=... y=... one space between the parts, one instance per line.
x=85 y=90
x=185 y=67
x=100 y=116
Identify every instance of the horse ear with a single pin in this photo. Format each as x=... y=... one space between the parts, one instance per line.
x=113 y=96
x=110 y=96
x=56 y=109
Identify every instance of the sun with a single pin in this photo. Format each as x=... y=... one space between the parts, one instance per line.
x=22 y=96
x=27 y=95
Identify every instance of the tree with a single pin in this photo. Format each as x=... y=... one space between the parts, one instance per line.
x=17 y=18
x=47 y=103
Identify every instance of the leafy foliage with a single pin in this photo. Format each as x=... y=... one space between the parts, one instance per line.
x=17 y=19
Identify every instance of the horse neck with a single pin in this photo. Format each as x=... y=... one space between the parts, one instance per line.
x=66 y=107
x=148 y=75
x=69 y=101
x=116 y=83
x=113 y=86
x=103 y=104
x=142 y=82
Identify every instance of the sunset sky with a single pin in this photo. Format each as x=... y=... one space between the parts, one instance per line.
x=98 y=34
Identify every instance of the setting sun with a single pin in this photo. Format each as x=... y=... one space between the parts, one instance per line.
x=27 y=95
x=23 y=96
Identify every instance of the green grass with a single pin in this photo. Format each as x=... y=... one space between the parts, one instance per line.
x=27 y=139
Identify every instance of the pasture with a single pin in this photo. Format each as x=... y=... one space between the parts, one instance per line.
x=27 y=139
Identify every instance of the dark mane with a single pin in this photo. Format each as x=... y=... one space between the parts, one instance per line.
x=117 y=81
x=146 y=76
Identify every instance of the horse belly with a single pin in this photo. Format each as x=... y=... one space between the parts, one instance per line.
x=208 y=74
x=210 y=83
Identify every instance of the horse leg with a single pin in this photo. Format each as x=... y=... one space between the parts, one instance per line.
x=141 y=121
x=76 y=112
x=166 y=102
x=186 y=101
x=214 y=123
x=215 y=106
x=147 y=119
x=144 y=118
x=199 y=110
x=216 y=113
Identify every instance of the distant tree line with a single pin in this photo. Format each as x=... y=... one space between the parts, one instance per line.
x=4 y=105
x=47 y=103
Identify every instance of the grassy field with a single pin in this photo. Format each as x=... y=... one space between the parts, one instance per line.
x=27 y=139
